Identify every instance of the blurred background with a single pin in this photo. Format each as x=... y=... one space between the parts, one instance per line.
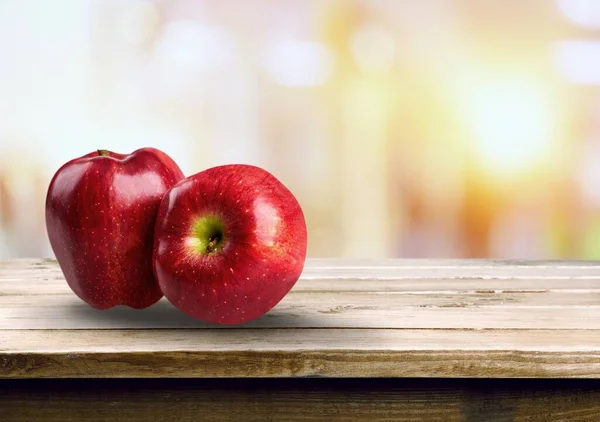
x=433 y=128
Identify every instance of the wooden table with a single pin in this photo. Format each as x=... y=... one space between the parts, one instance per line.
x=369 y=340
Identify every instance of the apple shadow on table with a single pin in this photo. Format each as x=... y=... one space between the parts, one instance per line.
x=165 y=315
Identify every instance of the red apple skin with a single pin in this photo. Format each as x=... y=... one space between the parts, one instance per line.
x=100 y=217
x=263 y=252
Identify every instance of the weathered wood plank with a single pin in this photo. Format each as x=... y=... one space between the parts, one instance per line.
x=48 y=279
x=385 y=269
x=19 y=286
x=299 y=400
x=301 y=353
x=330 y=310
x=241 y=339
x=486 y=298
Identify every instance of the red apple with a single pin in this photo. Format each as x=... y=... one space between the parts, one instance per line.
x=230 y=243
x=100 y=215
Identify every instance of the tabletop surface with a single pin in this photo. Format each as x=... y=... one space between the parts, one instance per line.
x=344 y=318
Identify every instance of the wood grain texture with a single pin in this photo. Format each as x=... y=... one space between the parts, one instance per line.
x=344 y=318
x=310 y=353
x=299 y=400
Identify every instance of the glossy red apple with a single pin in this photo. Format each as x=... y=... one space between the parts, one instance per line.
x=230 y=243
x=100 y=215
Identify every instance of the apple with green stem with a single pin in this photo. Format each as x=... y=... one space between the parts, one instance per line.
x=230 y=243
x=100 y=216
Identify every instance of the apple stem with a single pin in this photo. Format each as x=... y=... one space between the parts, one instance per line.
x=212 y=243
x=103 y=153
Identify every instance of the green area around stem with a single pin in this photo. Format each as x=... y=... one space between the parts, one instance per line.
x=207 y=235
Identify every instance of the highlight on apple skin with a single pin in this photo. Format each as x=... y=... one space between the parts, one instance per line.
x=230 y=243
x=100 y=215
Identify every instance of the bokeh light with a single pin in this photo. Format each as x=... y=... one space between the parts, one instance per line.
x=512 y=123
x=406 y=129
